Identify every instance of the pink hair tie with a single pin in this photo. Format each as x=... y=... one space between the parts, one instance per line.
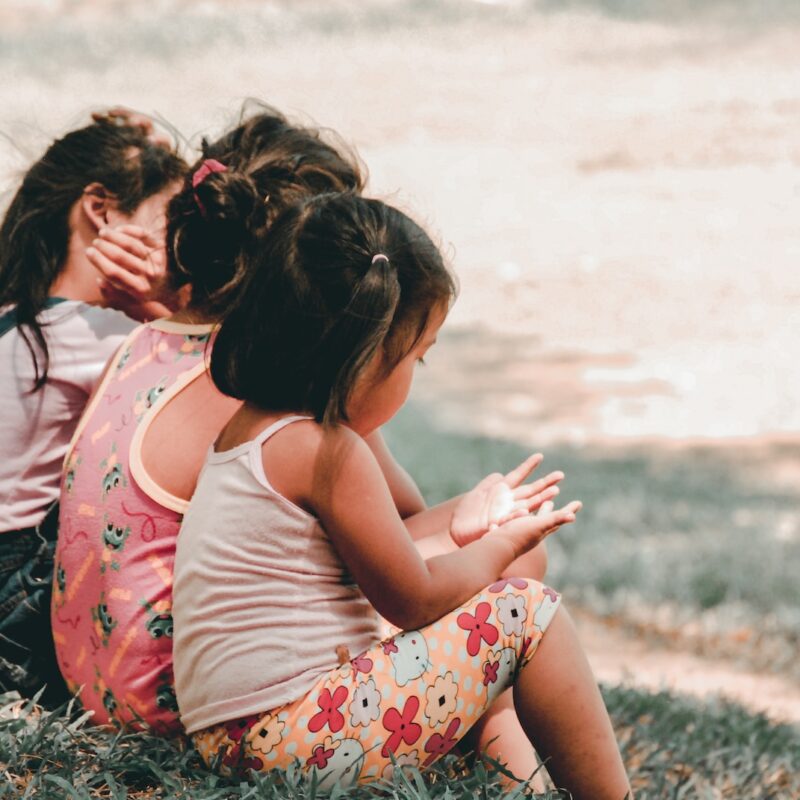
x=208 y=167
x=380 y=257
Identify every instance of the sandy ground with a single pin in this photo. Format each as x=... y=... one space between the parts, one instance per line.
x=619 y=197
x=617 y=657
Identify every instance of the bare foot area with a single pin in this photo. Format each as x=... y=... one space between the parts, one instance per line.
x=617 y=657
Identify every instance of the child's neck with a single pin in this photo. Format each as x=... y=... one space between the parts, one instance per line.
x=247 y=423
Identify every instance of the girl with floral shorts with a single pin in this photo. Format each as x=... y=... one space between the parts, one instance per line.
x=292 y=545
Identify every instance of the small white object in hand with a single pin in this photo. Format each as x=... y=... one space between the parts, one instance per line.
x=502 y=504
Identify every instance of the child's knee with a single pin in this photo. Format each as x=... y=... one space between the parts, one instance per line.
x=533 y=564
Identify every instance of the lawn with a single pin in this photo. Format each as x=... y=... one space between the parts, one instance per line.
x=673 y=747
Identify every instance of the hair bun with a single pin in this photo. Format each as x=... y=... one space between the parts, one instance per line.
x=227 y=198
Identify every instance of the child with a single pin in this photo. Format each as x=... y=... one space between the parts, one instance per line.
x=139 y=447
x=54 y=344
x=292 y=542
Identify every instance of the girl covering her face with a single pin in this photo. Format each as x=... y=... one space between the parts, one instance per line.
x=54 y=344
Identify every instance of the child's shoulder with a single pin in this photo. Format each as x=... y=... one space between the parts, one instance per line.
x=305 y=438
x=303 y=459
x=294 y=437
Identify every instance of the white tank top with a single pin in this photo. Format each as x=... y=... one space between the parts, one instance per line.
x=36 y=427
x=261 y=600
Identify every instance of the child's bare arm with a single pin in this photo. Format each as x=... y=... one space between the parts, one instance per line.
x=406 y=495
x=354 y=504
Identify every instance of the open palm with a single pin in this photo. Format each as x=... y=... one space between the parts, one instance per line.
x=497 y=499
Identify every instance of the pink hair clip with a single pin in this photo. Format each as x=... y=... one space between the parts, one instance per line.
x=208 y=167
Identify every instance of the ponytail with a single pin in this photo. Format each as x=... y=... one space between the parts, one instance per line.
x=341 y=280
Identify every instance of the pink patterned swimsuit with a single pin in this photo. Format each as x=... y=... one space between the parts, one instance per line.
x=112 y=594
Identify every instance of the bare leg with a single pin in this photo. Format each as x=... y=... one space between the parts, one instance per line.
x=499 y=734
x=560 y=708
x=531 y=565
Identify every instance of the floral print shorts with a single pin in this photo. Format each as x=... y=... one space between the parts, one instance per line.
x=409 y=698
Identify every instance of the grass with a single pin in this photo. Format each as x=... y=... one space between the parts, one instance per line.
x=673 y=747
x=698 y=547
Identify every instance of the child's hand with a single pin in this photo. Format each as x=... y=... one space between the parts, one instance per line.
x=120 y=115
x=497 y=499
x=133 y=271
x=525 y=533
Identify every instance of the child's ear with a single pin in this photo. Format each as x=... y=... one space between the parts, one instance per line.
x=96 y=202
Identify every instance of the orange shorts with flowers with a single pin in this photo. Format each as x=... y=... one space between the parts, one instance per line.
x=405 y=701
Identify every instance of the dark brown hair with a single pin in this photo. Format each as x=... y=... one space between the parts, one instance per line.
x=35 y=233
x=270 y=165
x=320 y=305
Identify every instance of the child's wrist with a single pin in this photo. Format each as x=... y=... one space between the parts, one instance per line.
x=463 y=539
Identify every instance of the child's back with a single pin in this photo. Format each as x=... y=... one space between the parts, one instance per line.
x=264 y=602
x=112 y=598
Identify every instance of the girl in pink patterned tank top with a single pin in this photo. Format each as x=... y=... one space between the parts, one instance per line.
x=133 y=462
x=112 y=598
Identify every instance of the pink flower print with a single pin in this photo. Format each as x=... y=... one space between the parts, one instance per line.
x=498 y=586
x=361 y=664
x=389 y=646
x=320 y=757
x=490 y=672
x=437 y=745
x=526 y=643
x=239 y=727
x=329 y=713
x=548 y=592
x=235 y=760
x=479 y=628
x=402 y=726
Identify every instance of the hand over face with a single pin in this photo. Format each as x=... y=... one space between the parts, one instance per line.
x=133 y=270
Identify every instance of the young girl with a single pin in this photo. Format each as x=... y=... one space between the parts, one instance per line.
x=292 y=543
x=54 y=343
x=139 y=447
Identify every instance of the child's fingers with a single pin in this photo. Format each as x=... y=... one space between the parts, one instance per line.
x=144 y=265
x=546 y=507
x=149 y=248
x=131 y=242
x=524 y=508
x=533 y=504
x=118 y=266
x=530 y=505
x=125 y=116
x=118 y=277
x=535 y=527
x=561 y=516
x=530 y=489
x=149 y=238
x=518 y=474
